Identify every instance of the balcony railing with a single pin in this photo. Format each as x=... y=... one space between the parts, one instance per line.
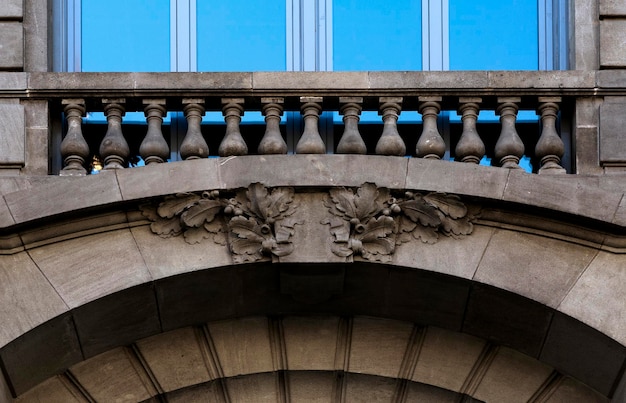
x=306 y=97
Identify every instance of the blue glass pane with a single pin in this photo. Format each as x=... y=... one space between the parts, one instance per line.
x=240 y=35
x=494 y=35
x=122 y=35
x=377 y=35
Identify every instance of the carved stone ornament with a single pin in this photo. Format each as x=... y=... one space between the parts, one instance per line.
x=261 y=224
x=370 y=222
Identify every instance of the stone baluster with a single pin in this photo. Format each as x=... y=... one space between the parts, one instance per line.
x=509 y=147
x=74 y=148
x=549 y=148
x=193 y=146
x=114 y=148
x=154 y=148
x=311 y=142
x=430 y=144
x=470 y=147
x=351 y=141
x=390 y=142
x=272 y=141
x=233 y=143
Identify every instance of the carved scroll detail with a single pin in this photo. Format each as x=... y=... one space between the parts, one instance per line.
x=261 y=224
x=370 y=222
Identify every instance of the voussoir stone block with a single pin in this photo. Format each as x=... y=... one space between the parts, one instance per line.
x=612 y=39
x=11 y=45
x=311 y=342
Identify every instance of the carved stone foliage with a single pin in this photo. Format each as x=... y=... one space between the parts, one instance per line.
x=258 y=221
x=370 y=221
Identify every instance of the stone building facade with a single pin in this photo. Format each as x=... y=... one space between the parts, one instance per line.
x=360 y=275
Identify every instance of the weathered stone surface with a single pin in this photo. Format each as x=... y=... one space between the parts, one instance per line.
x=6 y=219
x=26 y=298
x=537 y=267
x=84 y=269
x=549 y=193
x=512 y=377
x=541 y=79
x=63 y=195
x=585 y=35
x=176 y=358
x=610 y=78
x=575 y=392
x=308 y=80
x=597 y=298
x=612 y=143
x=121 y=369
x=363 y=388
x=11 y=8
x=456 y=257
x=210 y=392
x=52 y=390
x=214 y=81
x=507 y=319
x=117 y=319
x=12 y=139
x=170 y=256
x=612 y=8
x=27 y=364
x=11 y=45
x=242 y=345
x=170 y=178
x=311 y=170
x=427 y=80
x=582 y=352
x=307 y=387
x=443 y=176
x=612 y=39
x=13 y=81
x=417 y=392
x=446 y=358
x=259 y=388
x=311 y=342
x=378 y=346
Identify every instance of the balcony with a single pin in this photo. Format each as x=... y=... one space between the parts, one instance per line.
x=324 y=112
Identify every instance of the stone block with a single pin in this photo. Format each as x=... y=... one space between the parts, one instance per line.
x=417 y=392
x=11 y=9
x=203 y=81
x=456 y=257
x=210 y=392
x=584 y=353
x=512 y=375
x=573 y=197
x=612 y=142
x=11 y=45
x=117 y=320
x=363 y=388
x=310 y=342
x=166 y=257
x=312 y=170
x=368 y=355
x=64 y=195
x=572 y=391
x=427 y=80
x=36 y=153
x=612 y=8
x=27 y=363
x=446 y=358
x=300 y=80
x=243 y=346
x=598 y=298
x=259 y=388
x=587 y=153
x=310 y=386
x=90 y=267
x=612 y=39
x=51 y=390
x=113 y=376
x=12 y=138
x=13 y=81
x=456 y=178
x=585 y=36
x=610 y=78
x=542 y=79
x=6 y=219
x=539 y=268
x=170 y=178
x=176 y=358
x=507 y=319
x=26 y=298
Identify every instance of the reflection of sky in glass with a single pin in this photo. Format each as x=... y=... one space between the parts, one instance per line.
x=377 y=35
x=122 y=35
x=241 y=35
x=493 y=35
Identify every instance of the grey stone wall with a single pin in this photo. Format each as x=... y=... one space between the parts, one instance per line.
x=11 y=35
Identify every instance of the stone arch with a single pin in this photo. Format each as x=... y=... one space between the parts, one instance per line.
x=539 y=274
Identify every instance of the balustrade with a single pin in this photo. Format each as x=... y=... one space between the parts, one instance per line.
x=393 y=138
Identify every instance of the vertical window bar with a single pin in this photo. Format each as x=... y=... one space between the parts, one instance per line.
x=561 y=51
x=445 y=26
x=292 y=35
x=74 y=33
x=59 y=35
x=544 y=11
x=425 y=35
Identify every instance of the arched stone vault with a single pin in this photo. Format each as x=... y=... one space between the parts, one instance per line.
x=540 y=275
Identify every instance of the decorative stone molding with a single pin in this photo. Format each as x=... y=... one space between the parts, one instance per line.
x=370 y=222
x=261 y=224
